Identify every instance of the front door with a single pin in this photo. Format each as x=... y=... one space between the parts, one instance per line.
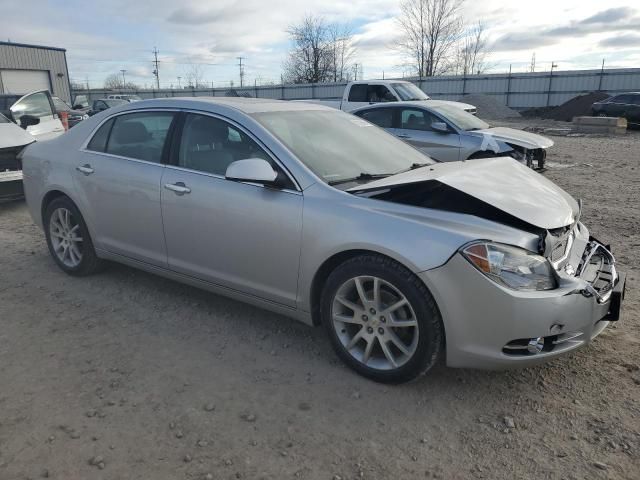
x=414 y=127
x=118 y=176
x=242 y=236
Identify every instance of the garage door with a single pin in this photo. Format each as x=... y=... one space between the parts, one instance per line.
x=24 y=81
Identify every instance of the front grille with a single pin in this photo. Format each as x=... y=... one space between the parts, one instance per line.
x=597 y=267
x=561 y=241
x=520 y=347
x=8 y=160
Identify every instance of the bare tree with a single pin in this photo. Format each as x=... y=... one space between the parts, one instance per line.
x=194 y=76
x=309 y=60
x=472 y=51
x=321 y=52
x=116 y=82
x=431 y=29
x=342 y=51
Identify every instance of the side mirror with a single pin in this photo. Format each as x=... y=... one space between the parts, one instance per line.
x=256 y=170
x=440 y=127
x=28 y=121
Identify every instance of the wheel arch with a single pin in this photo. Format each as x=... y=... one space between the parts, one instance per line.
x=329 y=265
x=56 y=192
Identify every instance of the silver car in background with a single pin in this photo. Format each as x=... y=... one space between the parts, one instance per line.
x=448 y=134
x=319 y=215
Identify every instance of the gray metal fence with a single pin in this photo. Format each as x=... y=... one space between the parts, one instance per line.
x=517 y=90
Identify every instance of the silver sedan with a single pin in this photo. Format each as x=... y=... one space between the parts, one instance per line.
x=448 y=134
x=318 y=215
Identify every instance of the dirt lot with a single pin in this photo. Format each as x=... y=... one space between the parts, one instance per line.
x=126 y=375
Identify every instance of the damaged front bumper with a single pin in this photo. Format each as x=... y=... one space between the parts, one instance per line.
x=494 y=327
x=11 y=173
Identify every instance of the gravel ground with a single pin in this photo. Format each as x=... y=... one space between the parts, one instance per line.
x=126 y=375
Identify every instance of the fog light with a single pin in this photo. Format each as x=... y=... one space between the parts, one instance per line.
x=535 y=345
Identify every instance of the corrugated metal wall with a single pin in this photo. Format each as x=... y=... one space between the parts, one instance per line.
x=518 y=90
x=22 y=57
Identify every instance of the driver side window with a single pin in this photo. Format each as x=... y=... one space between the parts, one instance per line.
x=35 y=105
x=210 y=145
x=414 y=119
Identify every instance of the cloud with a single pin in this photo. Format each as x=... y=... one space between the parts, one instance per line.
x=623 y=41
x=607 y=21
x=610 y=15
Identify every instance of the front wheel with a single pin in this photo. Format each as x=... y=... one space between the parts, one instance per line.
x=68 y=238
x=382 y=320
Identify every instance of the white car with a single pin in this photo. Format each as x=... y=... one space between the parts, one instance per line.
x=23 y=120
x=127 y=98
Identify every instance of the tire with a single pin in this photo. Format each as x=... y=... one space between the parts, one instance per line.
x=416 y=324
x=63 y=226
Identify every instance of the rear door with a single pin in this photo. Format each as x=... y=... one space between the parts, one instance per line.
x=414 y=127
x=118 y=177
x=38 y=106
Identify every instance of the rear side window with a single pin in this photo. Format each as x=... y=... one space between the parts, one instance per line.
x=635 y=99
x=383 y=117
x=358 y=93
x=140 y=135
x=99 y=141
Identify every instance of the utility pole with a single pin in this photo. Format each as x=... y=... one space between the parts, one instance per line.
x=355 y=72
x=533 y=62
x=124 y=81
x=179 y=78
x=156 y=72
x=240 y=59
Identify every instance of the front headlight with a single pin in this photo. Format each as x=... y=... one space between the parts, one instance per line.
x=512 y=267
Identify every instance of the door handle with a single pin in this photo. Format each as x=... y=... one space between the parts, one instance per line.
x=178 y=188
x=402 y=135
x=86 y=169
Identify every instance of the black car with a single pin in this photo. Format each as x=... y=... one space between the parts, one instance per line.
x=75 y=116
x=105 y=103
x=626 y=105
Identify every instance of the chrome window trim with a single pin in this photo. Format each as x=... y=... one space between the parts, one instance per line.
x=83 y=146
x=252 y=137
x=222 y=177
x=137 y=160
x=177 y=110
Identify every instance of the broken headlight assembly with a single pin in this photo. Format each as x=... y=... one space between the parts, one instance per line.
x=511 y=267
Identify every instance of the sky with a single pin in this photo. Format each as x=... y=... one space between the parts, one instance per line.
x=102 y=37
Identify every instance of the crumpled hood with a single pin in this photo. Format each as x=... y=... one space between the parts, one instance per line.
x=500 y=182
x=11 y=135
x=519 y=137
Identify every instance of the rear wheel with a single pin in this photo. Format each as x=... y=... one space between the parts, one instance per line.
x=381 y=319
x=68 y=238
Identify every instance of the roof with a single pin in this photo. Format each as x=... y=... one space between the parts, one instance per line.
x=242 y=104
x=26 y=45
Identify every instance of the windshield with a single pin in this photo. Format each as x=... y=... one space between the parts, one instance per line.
x=459 y=118
x=337 y=146
x=408 y=91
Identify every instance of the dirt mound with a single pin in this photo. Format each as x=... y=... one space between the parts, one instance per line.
x=576 y=107
x=489 y=108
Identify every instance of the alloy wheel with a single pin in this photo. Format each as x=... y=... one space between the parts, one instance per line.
x=375 y=322
x=66 y=239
